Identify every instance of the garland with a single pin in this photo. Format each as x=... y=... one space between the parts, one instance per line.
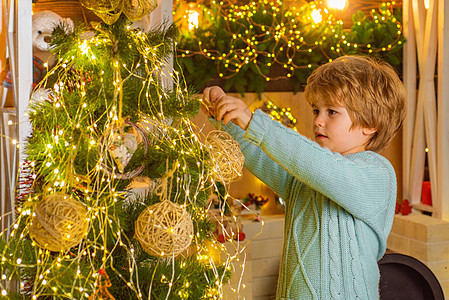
x=250 y=45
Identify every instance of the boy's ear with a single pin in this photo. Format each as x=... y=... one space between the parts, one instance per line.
x=369 y=131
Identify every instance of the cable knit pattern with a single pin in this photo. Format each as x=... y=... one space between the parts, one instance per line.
x=339 y=210
x=334 y=254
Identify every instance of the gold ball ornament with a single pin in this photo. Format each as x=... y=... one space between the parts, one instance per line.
x=164 y=229
x=227 y=158
x=59 y=223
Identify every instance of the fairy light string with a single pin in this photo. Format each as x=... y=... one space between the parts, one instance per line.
x=262 y=41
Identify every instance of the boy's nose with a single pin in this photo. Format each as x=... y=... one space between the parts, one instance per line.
x=319 y=121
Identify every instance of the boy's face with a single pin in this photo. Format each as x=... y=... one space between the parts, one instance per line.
x=332 y=127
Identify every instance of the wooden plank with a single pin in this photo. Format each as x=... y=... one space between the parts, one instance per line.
x=3 y=31
x=430 y=116
x=419 y=15
x=441 y=202
x=163 y=14
x=20 y=53
x=426 y=101
x=24 y=67
x=424 y=208
x=426 y=107
x=418 y=154
x=8 y=156
x=418 y=143
x=409 y=78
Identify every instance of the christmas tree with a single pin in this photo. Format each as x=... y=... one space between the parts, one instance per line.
x=103 y=118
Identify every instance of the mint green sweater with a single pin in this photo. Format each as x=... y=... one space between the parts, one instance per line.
x=339 y=210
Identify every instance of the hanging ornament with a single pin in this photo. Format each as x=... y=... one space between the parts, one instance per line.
x=226 y=156
x=122 y=142
x=59 y=223
x=164 y=229
x=42 y=94
x=102 y=283
x=121 y=146
x=229 y=227
x=110 y=10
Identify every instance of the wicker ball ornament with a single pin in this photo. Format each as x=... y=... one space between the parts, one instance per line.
x=164 y=229
x=227 y=158
x=59 y=223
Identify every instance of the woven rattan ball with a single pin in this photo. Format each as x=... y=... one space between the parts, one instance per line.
x=164 y=229
x=227 y=158
x=59 y=223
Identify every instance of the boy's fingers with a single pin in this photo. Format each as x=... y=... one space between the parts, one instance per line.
x=207 y=93
x=224 y=107
x=215 y=93
x=219 y=113
x=208 y=99
x=229 y=116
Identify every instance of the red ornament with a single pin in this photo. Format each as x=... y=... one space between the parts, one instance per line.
x=406 y=208
x=426 y=197
x=240 y=237
x=103 y=282
x=221 y=238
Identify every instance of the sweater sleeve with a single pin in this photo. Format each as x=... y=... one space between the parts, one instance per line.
x=258 y=162
x=362 y=183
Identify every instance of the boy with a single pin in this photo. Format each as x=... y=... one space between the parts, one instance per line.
x=340 y=194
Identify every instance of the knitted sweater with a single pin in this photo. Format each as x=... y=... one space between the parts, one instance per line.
x=339 y=210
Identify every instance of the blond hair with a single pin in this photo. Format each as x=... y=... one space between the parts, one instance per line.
x=369 y=89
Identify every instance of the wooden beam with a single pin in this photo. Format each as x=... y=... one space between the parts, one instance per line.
x=419 y=16
x=430 y=115
x=409 y=78
x=418 y=144
x=163 y=14
x=23 y=64
x=441 y=202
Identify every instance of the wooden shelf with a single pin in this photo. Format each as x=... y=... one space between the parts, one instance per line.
x=423 y=207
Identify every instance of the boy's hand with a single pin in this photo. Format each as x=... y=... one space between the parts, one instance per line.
x=229 y=108
x=210 y=96
x=217 y=104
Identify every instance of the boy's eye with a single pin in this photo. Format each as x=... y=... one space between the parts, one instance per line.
x=315 y=111
x=331 y=112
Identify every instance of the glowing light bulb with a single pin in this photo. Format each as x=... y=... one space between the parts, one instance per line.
x=193 y=17
x=316 y=16
x=84 y=48
x=336 y=4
